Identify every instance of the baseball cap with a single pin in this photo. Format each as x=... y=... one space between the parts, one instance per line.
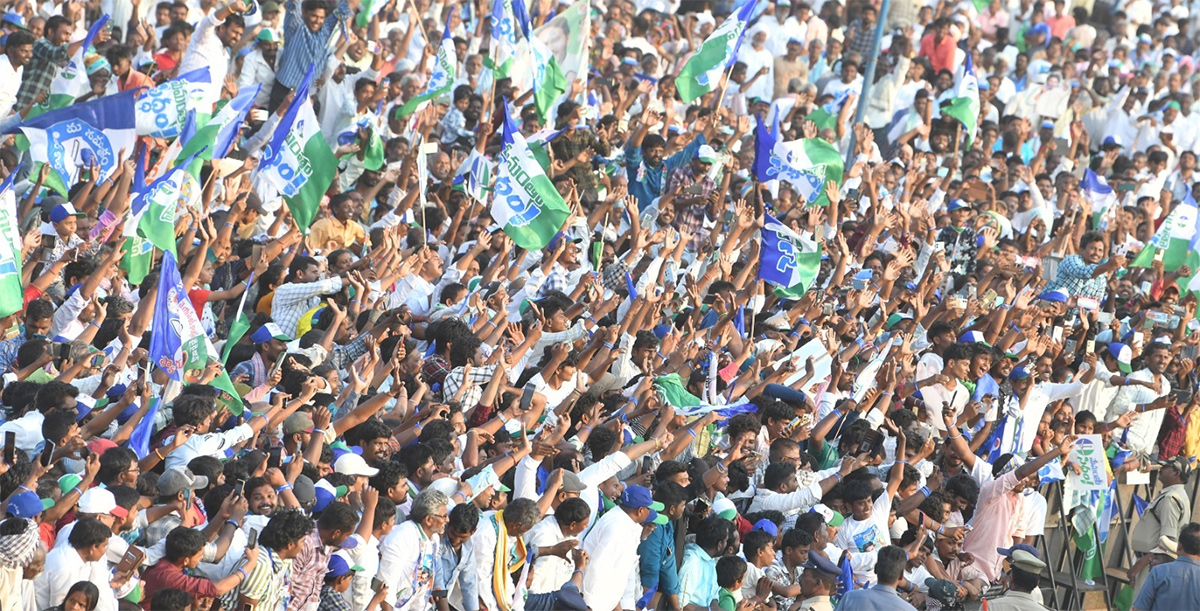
x=68 y=481
x=179 y=479
x=299 y=422
x=707 y=154
x=304 y=490
x=353 y=464
x=637 y=497
x=1007 y=552
x=1111 y=142
x=973 y=337
x=484 y=479
x=16 y=19
x=1020 y=372
x=832 y=518
x=571 y=483
x=325 y=493
x=268 y=332
x=956 y=204
x=766 y=526
x=25 y=505
x=341 y=564
x=268 y=34
x=62 y=211
x=270 y=6
x=100 y=501
x=558 y=238
x=1055 y=296
x=943 y=591
x=724 y=508
x=1124 y=356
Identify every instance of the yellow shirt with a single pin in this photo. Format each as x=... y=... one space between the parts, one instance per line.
x=330 y=230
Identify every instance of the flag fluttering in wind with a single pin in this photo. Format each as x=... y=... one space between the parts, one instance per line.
x=74 y=138
x=298 y=161
x=72 y=82
x=510 y=26
x=964 y=106
x=161 y=111
x=11 y=294
x=787 y=260
x=441 y=80
x=703 y=71
x=1175 y=237
x=526 y=204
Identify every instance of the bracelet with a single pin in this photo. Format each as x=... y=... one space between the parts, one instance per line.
x=838 y=476
x=76 y=489
x=592 y=319
x=242 y=572
x=941 y=528
x=283 y=488
x=230 y=225
x=158 y=453
x=608 y=345
x=958 y=436
x=353 y=301
x=233 y=523
x=586 y=428
x=924 y=490
x=420 y=426
x=902 y=462
x=459 y=493
x=321 y=431
x=720 y=467
x=692 y=432
x=580 y=571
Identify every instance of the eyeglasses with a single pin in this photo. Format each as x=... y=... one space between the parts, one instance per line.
x=441 y=516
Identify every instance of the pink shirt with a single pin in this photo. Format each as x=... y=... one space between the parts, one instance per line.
x=996 y=519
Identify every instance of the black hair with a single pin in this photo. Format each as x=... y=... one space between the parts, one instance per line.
x=57 y=425
x=285 y=528
x=18 y=39
x=710 y=535
x=730 y=570
x=1024 y=581
x=390 y=474
x=572 y=510
x=191 y=409
x=857 y=490
x=667 y=470
x=464 y=518
x=385 y=509
x=796 y=538
x=183 y=542
x=338 y=516
x=170 y=599
x=125 y=497
x=208 y=466
x=670 y=493
x=1189 y=539
x=53 y=394
x=756 y=540
x=809 y=522
x=889 y=565
x=88 y=532
x=91 y=593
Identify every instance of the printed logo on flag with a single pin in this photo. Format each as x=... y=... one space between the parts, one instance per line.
x=186 y=328
x=293 y=168
x=523 y=212
x=813 y=175
x=157 y=102
x=76 y=141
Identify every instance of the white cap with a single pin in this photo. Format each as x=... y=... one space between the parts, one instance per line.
x=353 y=464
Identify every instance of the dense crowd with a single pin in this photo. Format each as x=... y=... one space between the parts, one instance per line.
x=654 y=304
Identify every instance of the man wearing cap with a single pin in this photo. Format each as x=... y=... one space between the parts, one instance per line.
x=175 y=486
x=1174 y=585
x=99 y=503
x=1147 y=402
x=269 y=342
x=1170 y=509
x=1023 y=577
x=691 y=186
x=817 y=584
x=612 y=545
x=80 y=310
x=338 y=576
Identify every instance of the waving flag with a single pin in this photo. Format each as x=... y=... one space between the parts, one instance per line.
x=703 y=71
x=787 y=260
x=155 y=208
x=739 y=321
x=71 y=82
x=845 y=579
x=474 y=176
x=298 y=161
x=71 y=139
x=806 y=164
x=644 y=601
x=139 y=439
x=1175 y=237
x=217 y=137
x=11 y=295
x=510 y=25
x=964 y=106
x=526 y=204
x=549 y=82
x=441 y=81
x=177 y=339
x=1096 y=190
x=160 y=112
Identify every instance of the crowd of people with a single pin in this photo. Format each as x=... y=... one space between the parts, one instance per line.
x=405 y=393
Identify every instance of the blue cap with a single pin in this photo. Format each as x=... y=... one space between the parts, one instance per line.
x=637 y=497
x=767 y=526
x=973 y=337
x=1112 y=141
x=558 y=237
x=1008 y=551
x=956 y=204
x=1055 y=296
x=16 y=19
x=25 y=505
x=268 y=332
x=1041 y=28
x=1019 y=373
x=62 y=211
x=340 y=565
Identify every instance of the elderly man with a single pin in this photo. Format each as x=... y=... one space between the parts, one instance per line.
x=409 y=555
x=500 y=539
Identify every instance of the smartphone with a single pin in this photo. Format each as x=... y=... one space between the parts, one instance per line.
x=187 y=500
x=64 y=350
x=274 y=457
x=527 y=397
x=278 y=363
x=939 y=247
x=1069 y=346
x=47 y=453
x=252 y=540
x=989 y=297
x=1091 y=346
x=1138 y=336
x=701 y=507
x=240 y=489
x=10 y=448
x=872 y=444
x=131 y=560
x=376 y=584
x=1104 y=317
x=1088 y=303
x=1158 y=254
x=1056 y=333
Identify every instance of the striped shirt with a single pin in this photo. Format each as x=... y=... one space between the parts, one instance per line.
x=293 y=300
x=266 y=583
x=308 y=573
x=47 y=60
x=303 y=47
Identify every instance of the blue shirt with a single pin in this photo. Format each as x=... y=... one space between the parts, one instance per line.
x=877 y=598
x=697 y=577
x=646 y=182
x=656 y=558
x=1174 y=585
x=458 y=565
x=302 y=47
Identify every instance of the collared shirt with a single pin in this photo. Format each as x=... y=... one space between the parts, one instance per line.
x=1174 y=585
x=47 y=60
x=331 y=600
x=1075 y=277
x=267 y=583
x=697 y=577
x=304 y=47
x=1024 y=601
x=612 y=548
x=342 y=234
x=474 y=381
x=256 y=69
x=816 y=603
x=293 y=300
x=779 y=573
x=549 y=572
x=994 y=522
x=209 y=444
x=308 y=573
x=876 y=598
x=1165 y=515
x=8 y=350
x=793 y=502
x=165 y=575
x=10 y=83
x=64 y=568
x=457 y=566
x=405 y=554
x=207 y=50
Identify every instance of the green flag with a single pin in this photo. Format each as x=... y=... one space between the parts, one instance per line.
x=674 y=392
x=11 y=295
x=703 y=70
x=441 y=80
x=549 y=82
x=1173 y=239
x=964 y=106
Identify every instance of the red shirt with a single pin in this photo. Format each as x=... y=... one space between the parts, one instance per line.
x=940 y=54
x=165 y=575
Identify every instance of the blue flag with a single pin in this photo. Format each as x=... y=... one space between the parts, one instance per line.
x=1140 y=504
x=787 y=260
x=629 y=286
x=764 y=144
x=72 y=138
x=644 y=601
x=994 y=441
x=177 y=339
x=845 y=580
x=139 y=439
x=230 y=119
x=739 y=321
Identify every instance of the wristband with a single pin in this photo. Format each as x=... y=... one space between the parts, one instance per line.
x=233 y=523
x=76 y=489
x=459 y=493
x=692 y=432
x=924 y=490
x=576 y=571
x=608 y=345
x=283 y=488
x=321 y=431
x=721 y=468
x=242 y=572
x=941 y=528
x=586 y=428
x=838 y=476
x=230 y=225
x=420 y=426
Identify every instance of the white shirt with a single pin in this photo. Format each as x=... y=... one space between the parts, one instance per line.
x=1142 y=434
x=366 y=555
x=210 y=444
x=10 y=82
x=66 y=323
x=28 y=429
x=549 y=572
x=612 y=548
x=206 y=49
x=255 y=69
x=863 y=539
x=799 y=500
x=1020 y=426
x=400 y=561
x=64 y=568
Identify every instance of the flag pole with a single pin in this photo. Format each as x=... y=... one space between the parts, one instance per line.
x=725 y=84
x=868 y=76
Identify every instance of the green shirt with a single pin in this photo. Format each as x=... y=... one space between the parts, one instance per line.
x=725 y=600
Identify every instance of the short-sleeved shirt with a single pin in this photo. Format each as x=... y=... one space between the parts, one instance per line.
x=1174 y=585
x=165 y=575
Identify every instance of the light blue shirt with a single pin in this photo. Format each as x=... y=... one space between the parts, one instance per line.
x=451 y=563
x=697 y=577
x=1174 y=585
x=877 y=598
